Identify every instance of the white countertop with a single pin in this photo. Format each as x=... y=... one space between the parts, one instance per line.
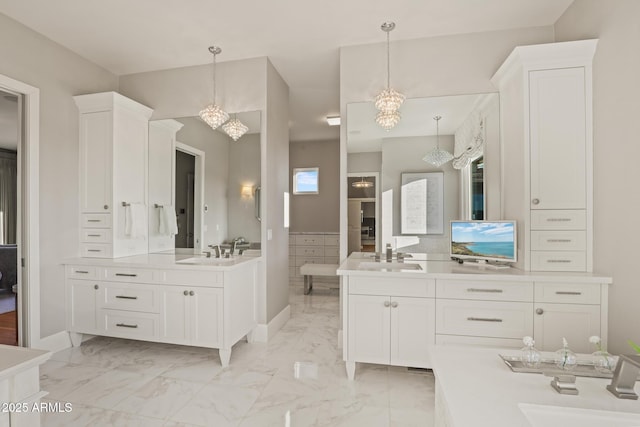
x=14 y=360
x=440 y=266
x=165 y=260
x=480 y=390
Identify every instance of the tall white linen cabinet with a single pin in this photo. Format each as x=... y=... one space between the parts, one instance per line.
x=113 y=174
x=547 y=153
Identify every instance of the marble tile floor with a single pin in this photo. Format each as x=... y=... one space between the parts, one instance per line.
x=297 y=379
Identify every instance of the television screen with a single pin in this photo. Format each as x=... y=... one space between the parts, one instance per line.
x=485 y=240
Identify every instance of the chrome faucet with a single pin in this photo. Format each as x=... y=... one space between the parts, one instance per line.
x=625 y=376
x=216 y=248
x=389 y=253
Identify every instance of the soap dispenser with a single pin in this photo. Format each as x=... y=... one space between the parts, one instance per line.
x=565 y=358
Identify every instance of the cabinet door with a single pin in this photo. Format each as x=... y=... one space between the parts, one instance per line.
x=412 y=331
x=369 y=328
x=558 y=138
x=574 y=322
x=206 y=316
x=81 y=305
x=174 y=309
x=95 y=162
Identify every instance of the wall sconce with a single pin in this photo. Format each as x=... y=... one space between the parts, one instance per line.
x=247 y=191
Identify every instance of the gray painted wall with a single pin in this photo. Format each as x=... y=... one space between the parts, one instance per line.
x=316 y=212
x=244 y=169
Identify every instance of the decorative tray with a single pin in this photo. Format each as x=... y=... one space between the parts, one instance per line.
x=584 y=368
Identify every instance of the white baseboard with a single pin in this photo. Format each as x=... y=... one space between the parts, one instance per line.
x=264 y=332
x=55 y=342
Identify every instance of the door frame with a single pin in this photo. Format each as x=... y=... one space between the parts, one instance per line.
x=376 y=183
x=198 y=193
x=28 y=221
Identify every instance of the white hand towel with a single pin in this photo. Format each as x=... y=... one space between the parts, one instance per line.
x=135 y=220
x=168 y=225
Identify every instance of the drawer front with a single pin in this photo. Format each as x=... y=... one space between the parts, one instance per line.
x=332 y=260
x=461 y=340
x=130 y=297
x=96 y=250
x=558 y=219
x=82 y=272
x=332 y=240
x=331 y=251
x=558 y=240
x=312 y=251
x=189 y=277
x=405 y=287
x=558 y=261
x=128 y=324
x=292 y=272
x=302 y=260
x=309 y=240
x=484 y=318
x=95 y=235
x=569 y=293
x=292 y=261
x=484 y=290
x=122 y=274
x=292 y=240
x=96 y=220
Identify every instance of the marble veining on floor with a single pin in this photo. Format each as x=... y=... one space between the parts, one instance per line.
x=297 y=379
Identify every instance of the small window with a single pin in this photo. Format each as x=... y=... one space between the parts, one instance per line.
x=477 y=188
x=305 y=180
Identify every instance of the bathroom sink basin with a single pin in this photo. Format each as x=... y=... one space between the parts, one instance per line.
x=389 y=266
x=202 y=260
x=544 y=416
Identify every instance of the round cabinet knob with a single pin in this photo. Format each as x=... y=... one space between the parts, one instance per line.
x=192 y=293
x=106 y=207
x=186 y=293
x=539 y=311
x=96 y=287
x=387 y=303
x=535 y=201
x=394 y=304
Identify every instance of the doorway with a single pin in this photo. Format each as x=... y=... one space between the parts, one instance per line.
x=189 y=197
x=363 y=212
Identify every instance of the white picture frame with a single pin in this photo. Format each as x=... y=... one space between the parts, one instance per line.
x=422 y=203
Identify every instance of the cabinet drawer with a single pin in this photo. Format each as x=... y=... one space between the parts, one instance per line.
x=128 y=324
x=461 y=340
x=332 y=240
x=309 y=251
x=558 y=240
x=310 y=240
x=332 y=251
x=95 y=235
x=122 y=274
x=332 y=260
x=558 y=219
x=484 y=290
x=292 y=272
x=96 y=220
x=130 y=297
x=292 y=240
x=558 y=261
x=292 y=261
x=405 y=287
x=189 y=277
x=82 y=272
x=302 y=260
x=484 y=318
x=570 y=293
x=96 y=250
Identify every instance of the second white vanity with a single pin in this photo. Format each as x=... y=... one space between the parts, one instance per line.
x=394 y=313
x=178 y=299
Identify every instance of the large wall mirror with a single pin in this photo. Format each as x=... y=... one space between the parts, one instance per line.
x=467 y=187
x=211 y=181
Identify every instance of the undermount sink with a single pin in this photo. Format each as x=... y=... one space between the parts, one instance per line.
x=545 y=416
x=202 y=260
x=389 y=266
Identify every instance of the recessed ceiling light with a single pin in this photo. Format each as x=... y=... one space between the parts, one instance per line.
x=333 y=120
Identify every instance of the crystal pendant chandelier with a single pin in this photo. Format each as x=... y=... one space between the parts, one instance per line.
x=235 y=128
x=389 y=100
x=362 y=184
x=437 y=156
x=213 y=114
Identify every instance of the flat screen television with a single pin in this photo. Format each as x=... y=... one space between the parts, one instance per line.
x=484 y=240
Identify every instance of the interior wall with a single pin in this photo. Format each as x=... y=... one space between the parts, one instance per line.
x=616 y=108
x=244 y=169
x=59 y=74
x=316 y=212
x=364 y=162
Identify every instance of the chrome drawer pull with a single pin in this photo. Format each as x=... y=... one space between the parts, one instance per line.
x=568 y=293
x=125 y=297
x=565 y=261
x=126 y=275
x=82 y=272
x=484 y=319
x=558 y=219
x=93 y=235
x=94 y=220
x=124 y=325
x=496 y=291
x=559 y=240
x=94 y=250
x=387 y=303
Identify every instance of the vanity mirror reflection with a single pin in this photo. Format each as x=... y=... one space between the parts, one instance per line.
x=211 y=181
x=470 y=188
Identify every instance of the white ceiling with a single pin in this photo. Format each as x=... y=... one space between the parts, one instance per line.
x=301 y=38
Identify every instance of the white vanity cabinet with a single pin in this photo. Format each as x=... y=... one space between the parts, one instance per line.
x=196 y=307
x=546 y=115
x=113 y=171
x=389 y=322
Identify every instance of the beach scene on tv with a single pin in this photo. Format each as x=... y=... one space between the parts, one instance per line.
x=483 y=239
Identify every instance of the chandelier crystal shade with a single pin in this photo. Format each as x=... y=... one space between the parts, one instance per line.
x=437 y=156
x=235 y=128
x=362 y=184
x=388 y=119
x=388 y=101
x=213 y=114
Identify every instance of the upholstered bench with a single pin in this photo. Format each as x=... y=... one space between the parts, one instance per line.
x=310 y=270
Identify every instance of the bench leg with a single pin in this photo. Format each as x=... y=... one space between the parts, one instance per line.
x=308 y=284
